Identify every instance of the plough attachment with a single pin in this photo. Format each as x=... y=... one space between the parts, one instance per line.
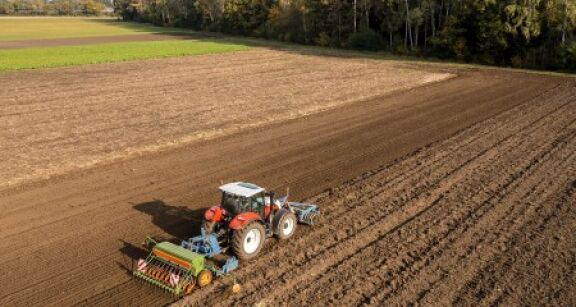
x=173 y=268
x=305 y=213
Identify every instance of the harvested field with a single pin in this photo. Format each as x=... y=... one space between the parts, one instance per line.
x=56 y=121
x=458 y=191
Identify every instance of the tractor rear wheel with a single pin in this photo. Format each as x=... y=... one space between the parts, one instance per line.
x=284 y=224
x=248 y=241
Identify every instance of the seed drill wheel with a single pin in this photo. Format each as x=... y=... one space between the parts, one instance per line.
x=248 y=241
x=284 y=224
x=204 y=278
x=236 y=288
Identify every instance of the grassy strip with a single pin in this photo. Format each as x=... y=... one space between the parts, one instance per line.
x=53 y=27
x=15 y=59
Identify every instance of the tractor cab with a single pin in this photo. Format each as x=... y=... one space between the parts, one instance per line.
x=241 y=197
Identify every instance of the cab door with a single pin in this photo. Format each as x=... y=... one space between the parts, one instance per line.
x=258 y=205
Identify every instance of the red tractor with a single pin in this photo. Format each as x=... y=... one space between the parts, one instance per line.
x=246 y=216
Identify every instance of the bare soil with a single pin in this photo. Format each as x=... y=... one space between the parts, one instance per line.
x=484 y=217
x=459 y=191
x=53 y=42
x=58 y=120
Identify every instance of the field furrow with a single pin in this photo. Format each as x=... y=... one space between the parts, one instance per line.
x=407 y=232
x=437 y=185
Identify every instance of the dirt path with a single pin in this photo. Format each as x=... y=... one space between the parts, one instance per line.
x=473 y=196
x=54 y=42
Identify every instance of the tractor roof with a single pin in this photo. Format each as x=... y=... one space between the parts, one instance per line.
x=241 y=189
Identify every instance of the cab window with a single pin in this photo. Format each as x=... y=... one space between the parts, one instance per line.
x=257 y=202
x=234 y=204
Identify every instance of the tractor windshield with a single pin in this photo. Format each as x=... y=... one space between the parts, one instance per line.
x=234 y=204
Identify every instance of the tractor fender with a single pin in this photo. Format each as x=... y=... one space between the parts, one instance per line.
x=214 y=214
x=242 y=219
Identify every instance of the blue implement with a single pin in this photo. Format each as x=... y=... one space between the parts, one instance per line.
x=205 y=245
x=230 y=265
x=305 y=213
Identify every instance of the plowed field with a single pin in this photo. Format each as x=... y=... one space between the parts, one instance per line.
x=456 y=191
x=60 y=120
x=484 y=217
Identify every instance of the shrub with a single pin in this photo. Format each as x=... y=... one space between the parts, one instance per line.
x=459 y=48
x=568 y=55
x=323 y=40
x=516 y=61
x=365 y=40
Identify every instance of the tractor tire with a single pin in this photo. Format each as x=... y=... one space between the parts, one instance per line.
x=204 y=278
x=284 y=224
x=248 y=241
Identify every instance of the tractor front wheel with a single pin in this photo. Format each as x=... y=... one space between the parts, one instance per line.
x=248 y=241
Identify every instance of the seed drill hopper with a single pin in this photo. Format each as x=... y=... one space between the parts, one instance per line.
x=178 y=270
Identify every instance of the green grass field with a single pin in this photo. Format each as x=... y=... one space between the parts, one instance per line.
x=16 y=59
x=30 y=28
x=34 y=28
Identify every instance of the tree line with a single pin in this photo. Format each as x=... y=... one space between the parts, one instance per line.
x=538 y=34
x=55 y=7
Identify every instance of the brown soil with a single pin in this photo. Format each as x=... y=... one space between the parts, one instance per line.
x=485 y=217
x=465 y=198
x=53 y=42
x=59 y=120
